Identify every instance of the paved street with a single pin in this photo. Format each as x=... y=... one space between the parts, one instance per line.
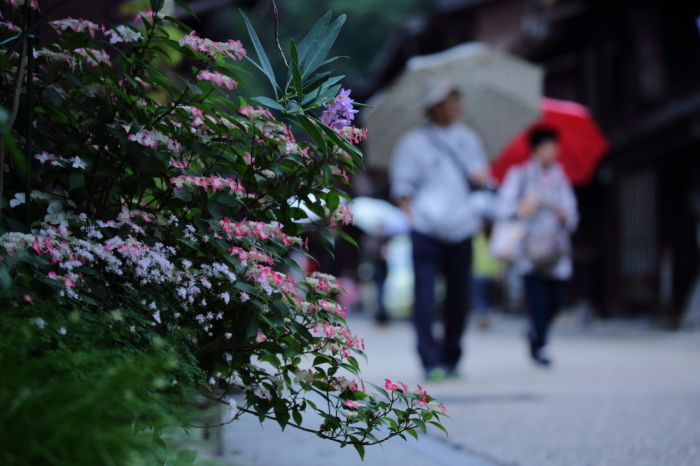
x=618 y=394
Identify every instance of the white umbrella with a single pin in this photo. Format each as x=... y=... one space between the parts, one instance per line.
x=501 y=97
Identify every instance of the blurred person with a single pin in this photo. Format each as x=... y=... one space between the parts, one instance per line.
x=538 y=193
x=487 y=271
x=434 y=170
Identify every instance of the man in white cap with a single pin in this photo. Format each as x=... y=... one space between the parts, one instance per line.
x=434 y=172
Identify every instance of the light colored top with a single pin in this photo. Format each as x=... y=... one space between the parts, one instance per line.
x=484 y=265
x=553 y=190
x=436 y=186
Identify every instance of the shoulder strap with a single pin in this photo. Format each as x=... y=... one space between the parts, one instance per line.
x=446 y=149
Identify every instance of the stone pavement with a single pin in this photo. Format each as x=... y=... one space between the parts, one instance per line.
x=618 y=394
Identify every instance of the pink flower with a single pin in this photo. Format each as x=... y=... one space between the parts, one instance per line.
x=77 y=25
x=28 y=298
x=218 y=78
x=260 y=337
x=94 y=57
x=403 y=386
x=442 y=408
x=351 y=404
x=44 y=157
x=388 y=385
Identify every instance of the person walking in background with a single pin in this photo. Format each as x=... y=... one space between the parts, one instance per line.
x=434 y=170
x=487 y=271
x=538 y=193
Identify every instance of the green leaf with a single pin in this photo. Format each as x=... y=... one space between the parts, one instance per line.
x=76 y=181
x=360 y=450
x=186 y=456
x=347 y=237
x=295 y=71
x=413 y=433
x=327 y=235
x=297 y=417
x=185 y=7
x=195 y=89
x=439 y=426
x=317 y=51
x=160 y=451
x=157 y=5
x=268 y=102
x=314 y=34
x=313 y=131
x=420 y=424
x=182 y=194
x=54 y=96
x=264 y=62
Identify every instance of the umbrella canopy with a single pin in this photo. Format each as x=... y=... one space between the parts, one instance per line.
x=500 y=93
x=581 y=143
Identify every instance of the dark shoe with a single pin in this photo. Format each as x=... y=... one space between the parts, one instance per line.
x=541 y=356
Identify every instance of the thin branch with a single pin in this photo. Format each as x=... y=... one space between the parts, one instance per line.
x=16 y=92
x=277 y=32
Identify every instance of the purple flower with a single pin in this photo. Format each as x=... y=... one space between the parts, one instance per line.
x=339 y=112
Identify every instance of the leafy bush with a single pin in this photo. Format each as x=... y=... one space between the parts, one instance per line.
x=156 y=209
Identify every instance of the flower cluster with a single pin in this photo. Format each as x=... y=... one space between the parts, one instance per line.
x=233 y=48
x=93 y=57
x=213 y=183
x=122 y=33
x=339 y=112
x=218 y=78
x=77 y=25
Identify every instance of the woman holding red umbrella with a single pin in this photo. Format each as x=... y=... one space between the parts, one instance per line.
x=538 y=194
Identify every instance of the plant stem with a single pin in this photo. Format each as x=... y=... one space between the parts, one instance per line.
x=277 y=32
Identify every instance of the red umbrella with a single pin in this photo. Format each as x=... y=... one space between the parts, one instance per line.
x=582 y=144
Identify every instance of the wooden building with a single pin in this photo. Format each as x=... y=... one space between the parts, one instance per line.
x=636 y=65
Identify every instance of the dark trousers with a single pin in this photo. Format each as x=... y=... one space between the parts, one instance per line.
x=545 y=297
x=430 y=258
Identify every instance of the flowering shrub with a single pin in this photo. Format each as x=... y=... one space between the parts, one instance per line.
x=149 y=216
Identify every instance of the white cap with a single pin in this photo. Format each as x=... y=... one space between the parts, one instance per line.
x=436 y=91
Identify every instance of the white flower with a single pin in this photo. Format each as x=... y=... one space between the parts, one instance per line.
x=156 y=316
x=39 y=322
x=152 y=305
x=232 y=403
x=20 y=198
x=122 y=34
x=212 y=381
x=62 y=331
x=225 y=296
x=244 y=296
x=228 y=335
x=78 y=163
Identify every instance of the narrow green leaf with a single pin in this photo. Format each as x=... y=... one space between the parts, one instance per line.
x=327 y=235
x=195 y=89
x=185 y=7
x=264 y=62
x=295 y=71
x=268 y=102
x=347 y=237
x=314 y=34
x=313 y=131
x=319 y=50
x=413 y=433
x=360 y=450
x=439 y=426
